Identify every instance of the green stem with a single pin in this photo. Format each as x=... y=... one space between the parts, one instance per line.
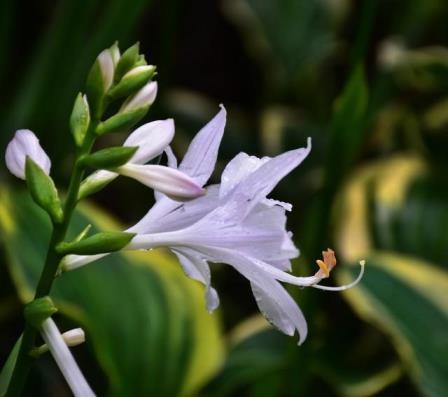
x=53 y=258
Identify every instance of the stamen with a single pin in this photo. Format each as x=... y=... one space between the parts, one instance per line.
x=327 y=264
x=323 y=266
x=344 y=287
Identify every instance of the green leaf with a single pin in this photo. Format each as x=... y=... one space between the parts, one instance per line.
x=97 y=244
x=145 y=321
x=387 y=216
x=121 y=121
x=8 y=367
x=127 y=61
x=42 y=190
x=295 y=34
x=347 y=126
x=406 y=298
x=80 y=119
x=258 y=352
x=110 y=158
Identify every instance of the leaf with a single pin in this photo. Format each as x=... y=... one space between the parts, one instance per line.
x=145 y=321
x=5 y=375
x=406 y=298
x=383 y=215
x=258 y=352
x=347 y=126
x=294 y=33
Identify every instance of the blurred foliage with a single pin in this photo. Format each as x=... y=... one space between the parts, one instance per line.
x=366 y=80
x=148 y=327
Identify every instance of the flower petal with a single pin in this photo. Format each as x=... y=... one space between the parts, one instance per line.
x=152 y=139
x=261 y=234
x=172 y=160
x=258 y=184
x=72 y=262
x=184 y=215
x=25 y=144
x=173 y=183
x=197 y=268
x=200 y=159
x=241 y=166
x=198 y=163
x=279 y=308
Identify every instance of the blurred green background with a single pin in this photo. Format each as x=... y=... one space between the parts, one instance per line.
x=367 y=80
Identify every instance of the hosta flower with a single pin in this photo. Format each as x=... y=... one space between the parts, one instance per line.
x=152 y=139
x=25 y=144
x=64 y=359
x=235 y=223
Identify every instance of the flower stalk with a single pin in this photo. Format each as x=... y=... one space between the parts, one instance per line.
x=53 y=258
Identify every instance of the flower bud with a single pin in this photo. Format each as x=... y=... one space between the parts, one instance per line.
x=132 y=81
x=74 y=337
x=171 y=182
x=145 y=97
x=107 y=68
x=25 y=144
x=115 y=52
x=80 y=119
x=100 y=80
x=127 y=61
x=152 y=139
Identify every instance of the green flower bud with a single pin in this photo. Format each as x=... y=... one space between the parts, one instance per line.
x=132 y=81
x=80 y=119
x=127 y=61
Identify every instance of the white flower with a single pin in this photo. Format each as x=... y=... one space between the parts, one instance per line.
x=25 y=144
x=151 y=139
x=235 y=223
x=144 y=97
x=169 y=181
x=63 y=357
